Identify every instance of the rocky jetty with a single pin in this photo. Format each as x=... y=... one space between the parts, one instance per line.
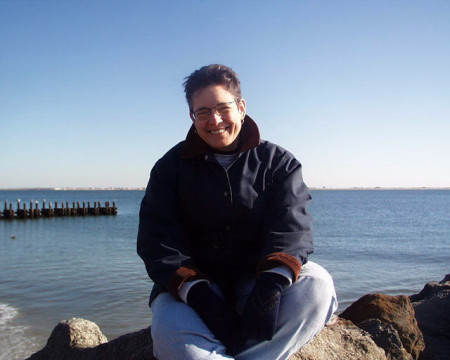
x=375 y=327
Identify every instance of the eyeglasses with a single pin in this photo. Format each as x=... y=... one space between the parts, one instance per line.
x=204 y=114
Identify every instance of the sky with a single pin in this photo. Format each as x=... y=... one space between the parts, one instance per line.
x=91 y=91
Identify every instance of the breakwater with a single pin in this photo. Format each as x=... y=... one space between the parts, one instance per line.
x=63 y=209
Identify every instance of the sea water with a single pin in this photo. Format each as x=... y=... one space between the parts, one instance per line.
x=51 y=269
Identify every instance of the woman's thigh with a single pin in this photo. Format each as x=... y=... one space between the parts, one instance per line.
x=178 y=333
x=305 y=307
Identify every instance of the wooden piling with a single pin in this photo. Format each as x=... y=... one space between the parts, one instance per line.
x=82 y=211
x=8 y=212
x=59 y=211
x=37 y=211
x=31 y=211
x=20 y=213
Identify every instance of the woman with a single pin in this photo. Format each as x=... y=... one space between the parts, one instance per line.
x=225 y=237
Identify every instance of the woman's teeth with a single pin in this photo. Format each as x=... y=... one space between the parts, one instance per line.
x=216 y=132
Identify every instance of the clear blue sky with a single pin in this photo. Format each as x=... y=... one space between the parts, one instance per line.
x=91 y=91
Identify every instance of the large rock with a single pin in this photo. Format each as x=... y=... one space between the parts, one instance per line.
x=396 y=311
x=339 y=341
x=71 y=337
x=432 y=307
x=79 y=339
x=386 y=337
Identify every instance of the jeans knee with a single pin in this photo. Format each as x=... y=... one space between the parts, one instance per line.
x=167 y=313
x=318 y=275
x=316 y=286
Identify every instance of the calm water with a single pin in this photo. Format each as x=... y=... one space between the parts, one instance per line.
x=389 y=241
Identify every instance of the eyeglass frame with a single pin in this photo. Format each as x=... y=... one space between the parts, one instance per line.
x=213 y=108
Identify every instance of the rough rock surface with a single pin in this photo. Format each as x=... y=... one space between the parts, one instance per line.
x=79 y=339
x=396 y=311
x=70 y=337
x=386 y=337
x=432 y=307
x=341 y=340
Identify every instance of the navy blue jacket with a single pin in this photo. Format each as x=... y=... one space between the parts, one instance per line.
x=199 y=220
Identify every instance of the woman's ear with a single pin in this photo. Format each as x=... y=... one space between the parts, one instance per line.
x=242 y=106
x=192 y=117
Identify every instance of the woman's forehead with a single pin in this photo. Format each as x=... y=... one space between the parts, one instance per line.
x=211 y=96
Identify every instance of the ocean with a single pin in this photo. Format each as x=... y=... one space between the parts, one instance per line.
x=51 y=269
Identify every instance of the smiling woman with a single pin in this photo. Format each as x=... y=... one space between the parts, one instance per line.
x=225 y=237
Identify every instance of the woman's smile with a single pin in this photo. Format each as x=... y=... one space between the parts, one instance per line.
x=218 y=131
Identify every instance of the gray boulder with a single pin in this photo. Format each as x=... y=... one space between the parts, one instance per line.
x=79 y=339
x=432 y=307
x=380 y=315
x=386 y=337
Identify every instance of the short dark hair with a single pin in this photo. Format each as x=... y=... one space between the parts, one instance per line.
x=214 y=74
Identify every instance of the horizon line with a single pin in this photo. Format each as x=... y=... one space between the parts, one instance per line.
x=131 y=188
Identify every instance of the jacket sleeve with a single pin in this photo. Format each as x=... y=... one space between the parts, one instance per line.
x=288 y=226
x=162 y=242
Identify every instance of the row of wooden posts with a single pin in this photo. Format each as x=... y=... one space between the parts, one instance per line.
x=33 y=212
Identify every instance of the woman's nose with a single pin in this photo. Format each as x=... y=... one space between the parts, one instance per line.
x=214 y=118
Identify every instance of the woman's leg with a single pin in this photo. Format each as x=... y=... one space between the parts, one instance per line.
x=305 y=307
x=178 y=333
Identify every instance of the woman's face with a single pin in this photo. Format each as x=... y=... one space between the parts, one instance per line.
x=219 y=132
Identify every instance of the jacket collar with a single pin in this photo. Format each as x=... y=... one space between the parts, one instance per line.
x=248 y=139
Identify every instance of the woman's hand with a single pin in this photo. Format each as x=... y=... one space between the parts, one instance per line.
x=260 y=317
x=220 y=318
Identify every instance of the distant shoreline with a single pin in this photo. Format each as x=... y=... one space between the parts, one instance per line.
x=75 y=189
x=143 y=188
x=382 y=188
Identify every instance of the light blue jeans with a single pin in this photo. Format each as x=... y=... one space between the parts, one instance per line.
x=306 y=306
